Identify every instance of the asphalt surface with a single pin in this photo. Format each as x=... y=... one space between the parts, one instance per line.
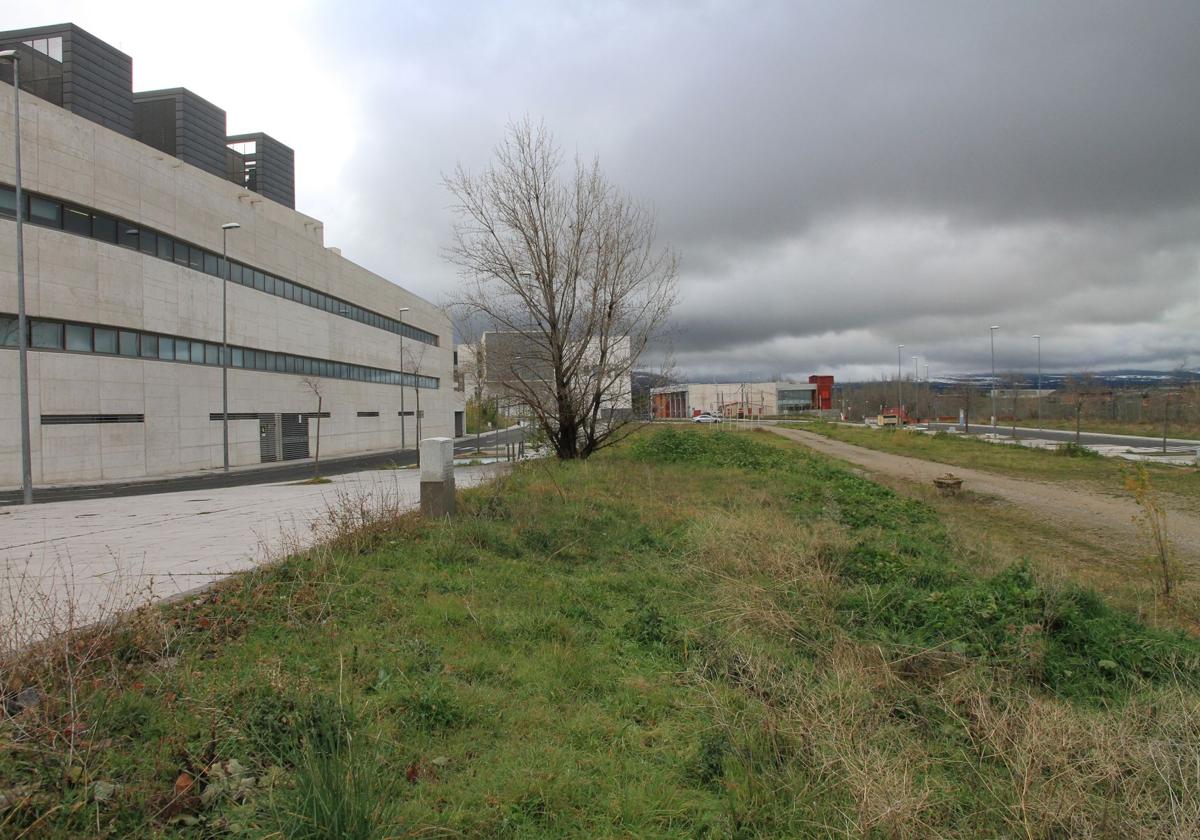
x=1089 y=438
x=290 y=471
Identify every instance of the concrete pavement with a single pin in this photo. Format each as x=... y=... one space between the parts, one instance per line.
x=74 y=562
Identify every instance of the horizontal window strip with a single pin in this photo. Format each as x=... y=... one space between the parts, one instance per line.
x=368 y=414
x=90 y=419
x=47 y=211
x=258 y=415
x=98 y=339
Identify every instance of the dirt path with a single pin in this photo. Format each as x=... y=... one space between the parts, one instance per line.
x=1067 y=504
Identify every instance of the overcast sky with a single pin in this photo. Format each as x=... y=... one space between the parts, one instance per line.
x=838 y=177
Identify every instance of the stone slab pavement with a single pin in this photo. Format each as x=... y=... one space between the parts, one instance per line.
x=71 y=563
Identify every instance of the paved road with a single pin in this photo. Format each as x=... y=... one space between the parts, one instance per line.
x=291 y=471
x=1089 y=438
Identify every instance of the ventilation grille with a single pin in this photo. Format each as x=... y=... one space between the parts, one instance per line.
x=90 y=419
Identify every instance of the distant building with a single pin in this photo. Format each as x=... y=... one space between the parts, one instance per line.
x=738 y=400
x=512 y=363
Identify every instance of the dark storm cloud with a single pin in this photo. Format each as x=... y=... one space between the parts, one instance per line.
x=839 y=177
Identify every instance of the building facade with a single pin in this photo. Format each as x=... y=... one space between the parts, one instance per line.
x=489 y=369
x=742 y=400
x=124 y=275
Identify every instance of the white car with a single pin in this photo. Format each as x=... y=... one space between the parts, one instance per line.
x=705 y=417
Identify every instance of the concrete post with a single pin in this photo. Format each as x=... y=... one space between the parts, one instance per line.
x=437 y=477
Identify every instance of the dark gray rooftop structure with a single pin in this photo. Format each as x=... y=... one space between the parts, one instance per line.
x=180 y=123
x=261 y=163
x=77 y=71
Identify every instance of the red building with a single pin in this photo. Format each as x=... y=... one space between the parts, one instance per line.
x=823 y=398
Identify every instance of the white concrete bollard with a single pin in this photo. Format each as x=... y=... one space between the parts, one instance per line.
x=437 y=477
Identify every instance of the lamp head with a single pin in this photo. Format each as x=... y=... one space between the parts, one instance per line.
x=994 y=327
x=230 y=226
x=9 y=55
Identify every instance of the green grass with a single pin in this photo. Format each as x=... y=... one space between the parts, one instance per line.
x=699 y=634
x=1010 y=459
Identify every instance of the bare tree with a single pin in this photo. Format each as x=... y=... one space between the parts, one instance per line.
x=1078 y=390
x=314 y=385
x=567 y=270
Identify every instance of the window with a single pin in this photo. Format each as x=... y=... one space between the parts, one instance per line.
x=182 y=350
x=235 y=272
x=306 y=297
x=44 y=212
x=197 y=357
x=79 y=338
x=210 y=264
x=236 y=357
x=127 y=235
x=165 y=247
x=166 y=348
x=196 y=259
x=8 y=331
x=181 y=253
x=212 y=354
x=78 y=221
x=149 y=347
x=260 y=281
x=104 y=227
x=105 y=340
x=47 y=334
x=8 y=201
x=148 y=242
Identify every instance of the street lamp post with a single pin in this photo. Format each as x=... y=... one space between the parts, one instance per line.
x=225 y=228
x=916 y=388
x=403 y=418
x=992 y=333
x=22 y=321
x=899 y=391
x=1038 y=339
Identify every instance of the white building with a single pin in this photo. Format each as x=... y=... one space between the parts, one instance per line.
x=124 y=295
x=509 y=355
x=741 y=399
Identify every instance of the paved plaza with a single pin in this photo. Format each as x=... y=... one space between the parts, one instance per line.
x=94 y=555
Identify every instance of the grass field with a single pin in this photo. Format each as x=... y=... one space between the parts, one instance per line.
x=1105 y=474
x=700 y=634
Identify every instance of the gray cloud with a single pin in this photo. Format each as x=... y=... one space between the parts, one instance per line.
x=839 y=177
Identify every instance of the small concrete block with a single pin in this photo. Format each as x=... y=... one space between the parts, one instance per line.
x=437 y=477
x=437 y=459
x=437 y=498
